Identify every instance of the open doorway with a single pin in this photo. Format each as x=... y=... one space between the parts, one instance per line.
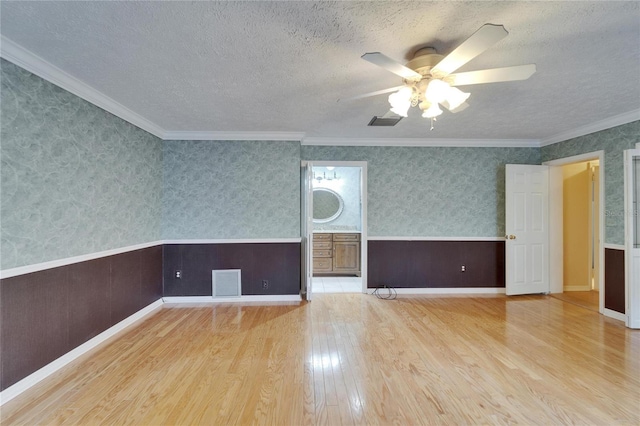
x=335 y=238
x=581 y=243
x=576 y=222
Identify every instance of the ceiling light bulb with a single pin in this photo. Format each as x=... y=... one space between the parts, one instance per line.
x=400 y=101
x=433 y=111
x=456 y=97
x=437 y=91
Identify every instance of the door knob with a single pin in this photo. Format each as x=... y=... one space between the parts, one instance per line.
x=510 y=237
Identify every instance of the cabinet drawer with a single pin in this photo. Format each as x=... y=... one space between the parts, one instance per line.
x=321 y=237
x=346 y=237
x=322 y=253
x=322 y=245
x=322 y=264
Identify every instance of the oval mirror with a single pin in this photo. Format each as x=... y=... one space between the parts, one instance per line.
x=327 y=205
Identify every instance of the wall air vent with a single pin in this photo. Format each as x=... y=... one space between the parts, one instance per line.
x=384 y=121
x=226 y=283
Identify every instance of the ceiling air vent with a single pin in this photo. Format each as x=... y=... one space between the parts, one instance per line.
x=384 y=121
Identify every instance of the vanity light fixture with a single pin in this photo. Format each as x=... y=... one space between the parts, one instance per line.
x=320 y=177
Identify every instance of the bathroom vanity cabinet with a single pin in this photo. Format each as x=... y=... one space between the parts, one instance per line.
x=336 y=253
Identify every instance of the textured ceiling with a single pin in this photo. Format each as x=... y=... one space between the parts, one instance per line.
x=280 y=66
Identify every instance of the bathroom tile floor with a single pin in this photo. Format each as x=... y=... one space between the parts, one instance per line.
x=337 y=284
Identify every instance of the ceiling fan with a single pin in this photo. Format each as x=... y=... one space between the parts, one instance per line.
x=428 y=80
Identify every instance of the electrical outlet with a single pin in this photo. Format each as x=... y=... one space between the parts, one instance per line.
x=463 y=268
x=265 y=284
x=178 y=274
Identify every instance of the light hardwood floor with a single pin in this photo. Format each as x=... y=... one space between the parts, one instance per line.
x=587 y=299
x=353 y=359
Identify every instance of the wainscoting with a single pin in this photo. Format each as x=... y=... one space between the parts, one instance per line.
x=614 y=298
x=277 y=263
x=48 y=313
x=435 y=264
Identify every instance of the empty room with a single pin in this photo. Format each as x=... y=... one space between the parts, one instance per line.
x=203 y=220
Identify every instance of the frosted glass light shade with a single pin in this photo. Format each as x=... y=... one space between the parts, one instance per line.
x=456 y=97
x=400 y=101
x=433 y=111
x=437 y=91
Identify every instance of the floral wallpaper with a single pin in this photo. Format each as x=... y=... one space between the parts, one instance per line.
x=613 y=141
x=74 y=179
x=432 y=191
x=231 y=189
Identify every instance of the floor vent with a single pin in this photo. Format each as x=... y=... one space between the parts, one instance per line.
x=226 y=283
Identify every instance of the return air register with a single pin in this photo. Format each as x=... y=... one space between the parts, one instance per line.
x=384 y=121
x=226 y=283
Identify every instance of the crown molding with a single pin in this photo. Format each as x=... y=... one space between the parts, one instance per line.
x=31 y=62
x=596 y=126
x=472 y=143
x=232 y=136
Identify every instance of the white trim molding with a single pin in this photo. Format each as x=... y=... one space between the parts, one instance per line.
x=614 y=314
x=270 y=298
x=580 y=158
x=614 y=246
x=596 y=126
x=236 y=241
x=31 y=62
x=461 y=239
x=27 y=269
x=471 y=143
x=571 y=288
x=232 y=136
x=442 y=290
x=37 y=376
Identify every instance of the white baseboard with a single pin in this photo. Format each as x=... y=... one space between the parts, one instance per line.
x=461 y=290
x=35 y=377
x=614 y=314
x=242 y=299
x=614 y=246
x=577 y=288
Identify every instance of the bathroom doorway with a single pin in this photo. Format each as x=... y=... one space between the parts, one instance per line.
x=335 y=252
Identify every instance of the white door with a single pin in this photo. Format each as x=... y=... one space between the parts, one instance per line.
x=306 y=227
x=527 y=228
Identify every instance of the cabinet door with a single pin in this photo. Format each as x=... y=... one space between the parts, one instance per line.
x=322 y=264
x=346 y=256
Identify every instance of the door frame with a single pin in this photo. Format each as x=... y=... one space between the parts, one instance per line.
x=556 y=224
x=632 y=254
x=363 y=210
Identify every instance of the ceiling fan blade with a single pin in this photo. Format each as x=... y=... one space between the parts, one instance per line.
x=377 y=92
x=481 y=40
x=493 y=75
x=390 y=114
x=389 y=64
x=461 y=107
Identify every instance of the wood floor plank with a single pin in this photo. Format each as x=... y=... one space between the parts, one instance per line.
x=352 y=359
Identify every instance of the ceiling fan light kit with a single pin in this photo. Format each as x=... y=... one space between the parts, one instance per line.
x=428 y=80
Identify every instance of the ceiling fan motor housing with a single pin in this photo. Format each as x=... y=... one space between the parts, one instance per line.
x=424 y=60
